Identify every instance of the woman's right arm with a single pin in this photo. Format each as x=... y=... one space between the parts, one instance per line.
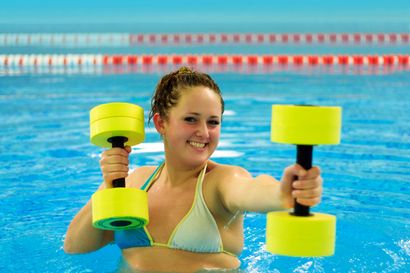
x=82 y=236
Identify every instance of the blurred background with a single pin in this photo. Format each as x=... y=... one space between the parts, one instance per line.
x=212 y=15
x=58 y=59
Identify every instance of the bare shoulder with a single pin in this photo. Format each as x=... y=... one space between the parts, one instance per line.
x=139 y=175
x=222 y=182
x=222 y=172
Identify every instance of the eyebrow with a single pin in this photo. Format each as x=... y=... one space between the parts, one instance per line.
x=198 y=114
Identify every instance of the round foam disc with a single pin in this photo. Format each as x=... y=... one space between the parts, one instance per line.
x=310 y=236
x=306 y=125
x=116 y=119
x=120 y=208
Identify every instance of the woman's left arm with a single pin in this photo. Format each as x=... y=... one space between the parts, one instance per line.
x=238 y=191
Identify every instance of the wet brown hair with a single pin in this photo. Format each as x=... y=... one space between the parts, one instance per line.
x=170 y=87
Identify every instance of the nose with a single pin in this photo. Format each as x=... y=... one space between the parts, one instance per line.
x=202 y=130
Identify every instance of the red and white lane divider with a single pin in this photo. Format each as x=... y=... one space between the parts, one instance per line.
x=130 y=39
x=193 y=60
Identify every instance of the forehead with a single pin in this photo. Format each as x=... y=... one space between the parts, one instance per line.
x=199 y=97
x=198 y=100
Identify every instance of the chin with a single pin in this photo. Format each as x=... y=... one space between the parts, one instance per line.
x=195 y=161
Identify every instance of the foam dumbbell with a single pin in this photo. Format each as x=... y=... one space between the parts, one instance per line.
x=115 y=125
x=301 y=233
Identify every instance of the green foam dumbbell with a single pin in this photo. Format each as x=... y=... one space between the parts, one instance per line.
x=115 y=125
x=301 y=233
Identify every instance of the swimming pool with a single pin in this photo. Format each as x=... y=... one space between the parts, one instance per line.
x=49 y=169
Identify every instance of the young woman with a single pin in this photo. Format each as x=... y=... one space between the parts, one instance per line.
x=195 y=204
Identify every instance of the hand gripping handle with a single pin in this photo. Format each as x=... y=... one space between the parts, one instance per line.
x=118 y=142
x=303 y=158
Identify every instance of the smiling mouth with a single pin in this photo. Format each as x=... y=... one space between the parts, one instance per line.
x=197 y=144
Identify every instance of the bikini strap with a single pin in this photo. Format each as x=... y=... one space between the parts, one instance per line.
x=200 y=193
x=152 y=176
x=201 y=179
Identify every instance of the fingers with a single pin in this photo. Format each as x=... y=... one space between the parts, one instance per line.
x=128 y=149
x=292 y=171
x=311 y=173
x=114 y=164
x=304 y=186
x=309 y=202
x=117 y=151
x=308 y=183
x=307 y=194
x=307 y=190
x=114 y=159
x=115 y=169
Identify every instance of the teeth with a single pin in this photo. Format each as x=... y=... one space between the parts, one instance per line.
x=197 y=144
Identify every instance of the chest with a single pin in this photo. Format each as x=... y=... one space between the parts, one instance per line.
x=175 y=203
x=167 y=208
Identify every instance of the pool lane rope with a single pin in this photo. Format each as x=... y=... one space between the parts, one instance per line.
x=164 y=39
x=70 y=60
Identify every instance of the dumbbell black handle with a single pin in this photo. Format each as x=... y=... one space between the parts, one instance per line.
x=303 y=158
x=118 y=142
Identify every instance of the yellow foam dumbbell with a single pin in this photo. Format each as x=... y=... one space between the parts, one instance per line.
x=115 y=125
x=301 y=233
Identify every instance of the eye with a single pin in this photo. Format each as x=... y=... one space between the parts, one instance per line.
x=190 y=119
x=214 y=122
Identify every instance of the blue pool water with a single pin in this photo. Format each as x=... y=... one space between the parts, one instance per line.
x=49 y=169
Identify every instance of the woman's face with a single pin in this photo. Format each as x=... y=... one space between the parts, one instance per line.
x=192 y=130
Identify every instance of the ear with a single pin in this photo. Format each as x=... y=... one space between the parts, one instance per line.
x=159 y=123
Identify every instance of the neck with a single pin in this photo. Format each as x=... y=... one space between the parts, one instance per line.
x=178 y=175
